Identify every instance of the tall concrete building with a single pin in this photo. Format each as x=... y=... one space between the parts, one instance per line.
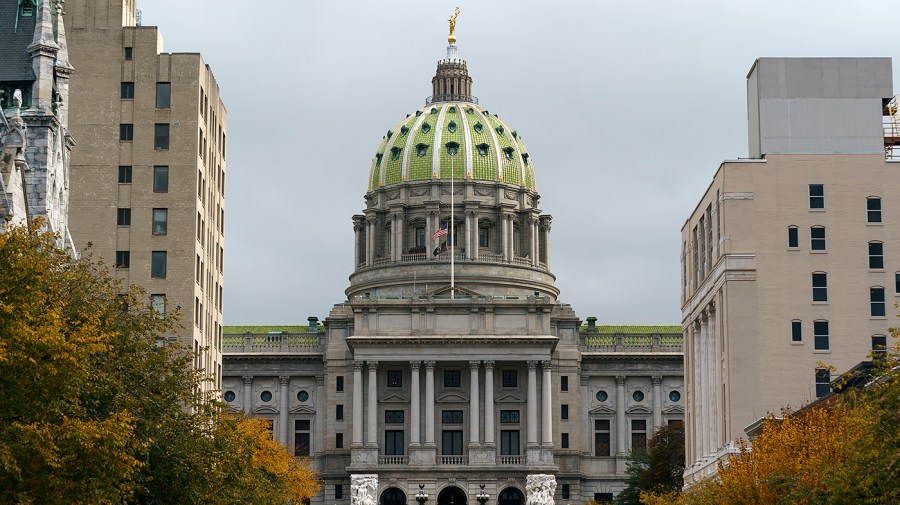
x=35 y=142
x=789 y=258
x=148 y=184
x=452 y=368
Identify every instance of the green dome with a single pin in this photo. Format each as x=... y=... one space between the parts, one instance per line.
x=476 y=144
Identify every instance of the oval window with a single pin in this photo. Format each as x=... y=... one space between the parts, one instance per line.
x=479 y=128
x=525 y=158
x=509 y=152
x=421 y=150
x=390 y=134
x=499 y=130
x=470 y=110
x=303 y=396
x=229 y=396
x=426 y=127
x=602 y=396
x=452 y=148
x=266 y=396
x=452 y=110
x=638 y=396
x=395 y=153
x=403 y=130
x=378 y=158
x=483 y=149
x=433 y=110
x=674 y=396
x=451 y=127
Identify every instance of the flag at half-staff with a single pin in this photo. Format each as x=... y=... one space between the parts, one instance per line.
x=441 y=231
x=441 y=248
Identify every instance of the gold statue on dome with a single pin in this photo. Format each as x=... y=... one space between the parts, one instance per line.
x=452 y=38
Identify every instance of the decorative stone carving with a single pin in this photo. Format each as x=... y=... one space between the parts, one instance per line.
x=484 y=192
x=364 y=489
x=456 y=191
x=510 y=195
x=420 y=191
x=540 y=489
x=393 y=195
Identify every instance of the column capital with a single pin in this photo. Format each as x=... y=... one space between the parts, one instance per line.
x=284 y=380
x=620 y=380
x=474 y=365
x=532 y=364
x=546 y=365
x=429 y=365
x=357 y=226
x=248 y=380
x=414 y=365
x=656 y=380
x=488 y=364
x=357 y=365
x=373 y=365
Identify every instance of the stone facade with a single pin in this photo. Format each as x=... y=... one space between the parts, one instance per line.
x=148 y=185
x=787 y=263
x=34 y=96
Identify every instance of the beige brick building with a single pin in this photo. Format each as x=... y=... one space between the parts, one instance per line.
x=789 y=260
x=148 y=184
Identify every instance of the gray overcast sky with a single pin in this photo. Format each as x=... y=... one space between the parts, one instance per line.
x=627 y=108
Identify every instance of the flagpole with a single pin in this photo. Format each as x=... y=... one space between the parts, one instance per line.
x=452 y=237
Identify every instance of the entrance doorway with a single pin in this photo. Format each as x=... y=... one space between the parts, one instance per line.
x=510 y=496
x=393 y=496
x=451 y=496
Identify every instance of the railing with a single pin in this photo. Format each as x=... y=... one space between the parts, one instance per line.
x=445 y=258
x=453 y=460
x=451 y=97
x=511 y=460
x=393 y=460
x=634 y=343
x=269 y=343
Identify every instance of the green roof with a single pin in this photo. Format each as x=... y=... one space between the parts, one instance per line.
x=290 y=328
x=638 y=329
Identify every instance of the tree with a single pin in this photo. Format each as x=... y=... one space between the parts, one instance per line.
x=97 y=407
x=658 y=468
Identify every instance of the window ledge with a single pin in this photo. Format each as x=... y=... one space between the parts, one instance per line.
x=821 y=351
x=877 y=270
x=817 y=210
x=818 y=251
x=820 y=303
x=793 y=248
x=796 y=342
x=877 y=318
x=874 y=224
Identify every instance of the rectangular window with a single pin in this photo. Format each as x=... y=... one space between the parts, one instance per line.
x=564 y=412
x=873 y=210
x=876 y=301
x=509 y=442
x=796 y=331
x=339 y=383
x=820 y=287
x=509 y=417
x=451 y=416
x=602 y=498
x=338 y=491
x=158 y=265
x=393 y=443
x=301 y=437
x=420 y=237
x=601 y=437
x=123 y=217
x=510 y=378
x=393 y=417
x=394 y=378
x=160 y=221
x=160 y=179
x=817 y=238
x=126 y=132
x=123 y=259
x=128 y=53
x=451 y=442
x=484 y=237
x=565 y=492
x=793 y=237
x=879 y=346
x=163 y=95
x=127 y=92
x=451 y=378
x=161 y=136
x=816 y=196
x=339 y=412
x=823 y=382
x=124 y=174
x=565 y=440
x=897 y=283
x=563 y=382
x=338 y=440
x=876 y=255
x=820 y=335
x=638 y=433
x=158 y=303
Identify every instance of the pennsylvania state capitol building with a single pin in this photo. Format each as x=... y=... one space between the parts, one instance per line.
x=452 y=369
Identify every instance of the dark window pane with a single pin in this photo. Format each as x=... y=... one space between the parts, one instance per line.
x=161 y=136
x=160 y=221
x=452 y=416
x=796 y=331
x=876 y=297
x=163 y=92
x=817 y=238
x=338 y=491
x=565 y=441
x=563 y=382
x=823 y=382
x=123 y=259
x=451 y=443
x=158 y=265
x=879 y=345
x=510 y=378
x=301 y=425
x=873 y=210
x=820 y=335
x=128 y=53
x=509 y=442
x=127 y=91
x=601 y=444
x=564 y=412
x=394 y=378
x=338 y=440
x=339 y=412
x=124 y=174
x=301 y=444
x=816 y=196
x=123 y=217
x=509 y=416
x=393 y=417
x=160 y=179
x=820 y=287
x=451 y=378
x=876 y=255
x=126 y=132
x=339 y=383
x=394 y=443
x=793 y=237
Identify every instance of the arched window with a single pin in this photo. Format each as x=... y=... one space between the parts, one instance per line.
x=793 y=237
x=876 y=255
x=796 y=330
x=395 y=153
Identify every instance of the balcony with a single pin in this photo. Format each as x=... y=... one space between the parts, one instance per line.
x=290 y=343
x=510 y=460
x=605 y=343
x=393 y=460
x=452 y=460
x=459 y=258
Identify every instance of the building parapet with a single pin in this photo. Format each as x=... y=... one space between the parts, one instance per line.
x=267 y=343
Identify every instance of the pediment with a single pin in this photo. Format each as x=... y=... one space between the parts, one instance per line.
x=265 y=410
x=394 y=398
x=674 y=409
x=303 y=409
x=452 y=398
x=638 y=409
x=509 y=399
x=601 y=409
x=460 y=290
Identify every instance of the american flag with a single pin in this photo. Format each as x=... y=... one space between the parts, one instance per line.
x=441 y=231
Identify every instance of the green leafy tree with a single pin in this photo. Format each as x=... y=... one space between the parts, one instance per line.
x=658 y=468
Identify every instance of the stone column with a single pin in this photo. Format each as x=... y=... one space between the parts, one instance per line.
x=621 y=429
x=283 y=408
x=372 y=415
x=504 y=243
x=248 y=393
x=511 y=236
x=357 y=404
x=489 y=404
x=401 y=235
x=531 y=402
x=546 y=227
x=470 y=217
x=657 y=401
x=414 y=421
x=356 y=240
x=546 y=418
x=370 y=240
x=474 y=438
x=703 y=363
x=320 y=420
x=429 y=231
x=532 y=224
x=714 y=381
x=698 y=391
x=429 y=403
